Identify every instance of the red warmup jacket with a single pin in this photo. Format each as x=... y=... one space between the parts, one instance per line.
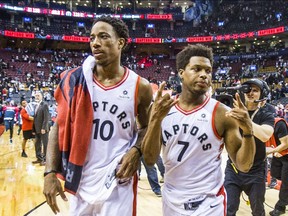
x=27 y=124
x=75 y=123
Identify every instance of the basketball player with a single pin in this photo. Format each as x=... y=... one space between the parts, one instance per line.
x=96 y=131
x=192 y=131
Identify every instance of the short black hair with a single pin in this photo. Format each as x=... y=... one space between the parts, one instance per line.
x=118 y=25
x=183 y=57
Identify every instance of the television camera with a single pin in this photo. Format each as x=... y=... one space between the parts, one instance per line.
x=226 y=94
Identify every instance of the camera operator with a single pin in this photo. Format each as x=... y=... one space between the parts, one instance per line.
x=252 y=182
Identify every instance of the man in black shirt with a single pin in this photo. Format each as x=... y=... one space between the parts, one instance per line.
x=252 y=182
x=279 y=165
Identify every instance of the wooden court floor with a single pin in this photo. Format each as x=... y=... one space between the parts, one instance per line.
x=21 y=184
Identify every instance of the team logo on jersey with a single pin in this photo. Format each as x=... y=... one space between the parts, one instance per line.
x=203 y=118
x=124 y=95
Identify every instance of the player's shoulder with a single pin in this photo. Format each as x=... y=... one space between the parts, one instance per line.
x=220 y=113
x=220 y=106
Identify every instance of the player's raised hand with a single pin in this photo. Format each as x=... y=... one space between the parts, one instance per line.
x=240 y=114
x=162 y=103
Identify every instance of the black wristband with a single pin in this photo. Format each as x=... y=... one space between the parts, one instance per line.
x=138 y=149
x=248 y=135
x=48 y=172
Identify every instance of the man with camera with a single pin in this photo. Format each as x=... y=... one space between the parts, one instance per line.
x=252 y=182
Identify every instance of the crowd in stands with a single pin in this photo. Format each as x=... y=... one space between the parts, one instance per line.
x=23 y=69
x=227 y=17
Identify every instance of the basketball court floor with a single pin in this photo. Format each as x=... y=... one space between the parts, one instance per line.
x=21 y=184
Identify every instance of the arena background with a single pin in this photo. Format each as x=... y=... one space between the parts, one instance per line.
x=40 y=39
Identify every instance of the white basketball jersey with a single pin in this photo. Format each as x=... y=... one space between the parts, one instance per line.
x=191 y=154
x=113 y=134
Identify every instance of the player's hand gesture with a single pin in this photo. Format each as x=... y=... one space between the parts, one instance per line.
x=162 y=103
x=241 y=115
x=52 y=187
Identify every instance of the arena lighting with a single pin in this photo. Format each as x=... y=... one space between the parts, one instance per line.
x=85 y=14
x=159 y=16
x=147 y=40
x=199 y=39
x=19 y=34
x=76 y=39
x=203 y=39
x=234 y=36
x=8 y=7
x=271 y=31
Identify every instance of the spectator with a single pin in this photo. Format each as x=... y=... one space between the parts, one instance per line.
x=27 y=127
x=10 y=114
x=41 y=129
x=279 y=167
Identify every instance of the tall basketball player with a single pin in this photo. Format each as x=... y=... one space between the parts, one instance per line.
x=192 y=131
x=95 y=145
